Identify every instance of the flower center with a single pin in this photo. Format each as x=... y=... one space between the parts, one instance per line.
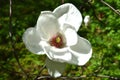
x=57 y=41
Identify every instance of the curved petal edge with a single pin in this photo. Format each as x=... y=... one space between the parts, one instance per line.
x=31 y=40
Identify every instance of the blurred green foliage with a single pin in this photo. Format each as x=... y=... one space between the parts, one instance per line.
x=103 y=33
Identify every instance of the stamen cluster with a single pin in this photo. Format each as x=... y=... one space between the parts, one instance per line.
x=57 y=41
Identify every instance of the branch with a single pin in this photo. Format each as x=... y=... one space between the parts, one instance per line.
x=80 y=77
x=116 y=11
x=11 y=38
x=36 y=78
x=94 y=12
x=63 y=77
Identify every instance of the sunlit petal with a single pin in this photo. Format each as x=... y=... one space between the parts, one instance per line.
x=70 y=36
x=56 y=54
x=60 y=55
x=31 y=40
x=55 y=69
x=47 y=25
x=69 y=14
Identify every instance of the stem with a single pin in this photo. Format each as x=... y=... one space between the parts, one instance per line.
x=94 y=12
x=116 y=11
x=11 y=38
x=36 y=78
x=84 y=77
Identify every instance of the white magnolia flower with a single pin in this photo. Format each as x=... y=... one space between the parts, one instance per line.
x=55 y=35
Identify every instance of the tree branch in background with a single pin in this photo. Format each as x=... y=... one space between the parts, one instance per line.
x=36 y=78
x=94 y=12
x=116 y=11
x=11 y=38
x=80 y=77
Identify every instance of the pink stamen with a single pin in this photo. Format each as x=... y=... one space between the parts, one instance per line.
x=57 y=41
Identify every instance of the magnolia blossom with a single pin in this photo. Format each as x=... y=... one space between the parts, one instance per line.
x=55 y=35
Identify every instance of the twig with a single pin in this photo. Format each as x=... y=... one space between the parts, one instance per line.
x=116 y=11
x=80 y=77
x=36 y=78
x=94 y=12
x=62 y=77
x=11 y=38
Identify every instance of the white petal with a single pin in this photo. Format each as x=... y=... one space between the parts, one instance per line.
x=56 y=54
x=44 y=44
x=47 y=25
x=81 y=52
x=61 y=55
x=69 y=14
x=71 y=36
x=31 y=39
x=55 y=69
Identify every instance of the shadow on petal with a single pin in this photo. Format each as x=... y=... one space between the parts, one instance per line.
x=81 y=52
x=55 y=69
